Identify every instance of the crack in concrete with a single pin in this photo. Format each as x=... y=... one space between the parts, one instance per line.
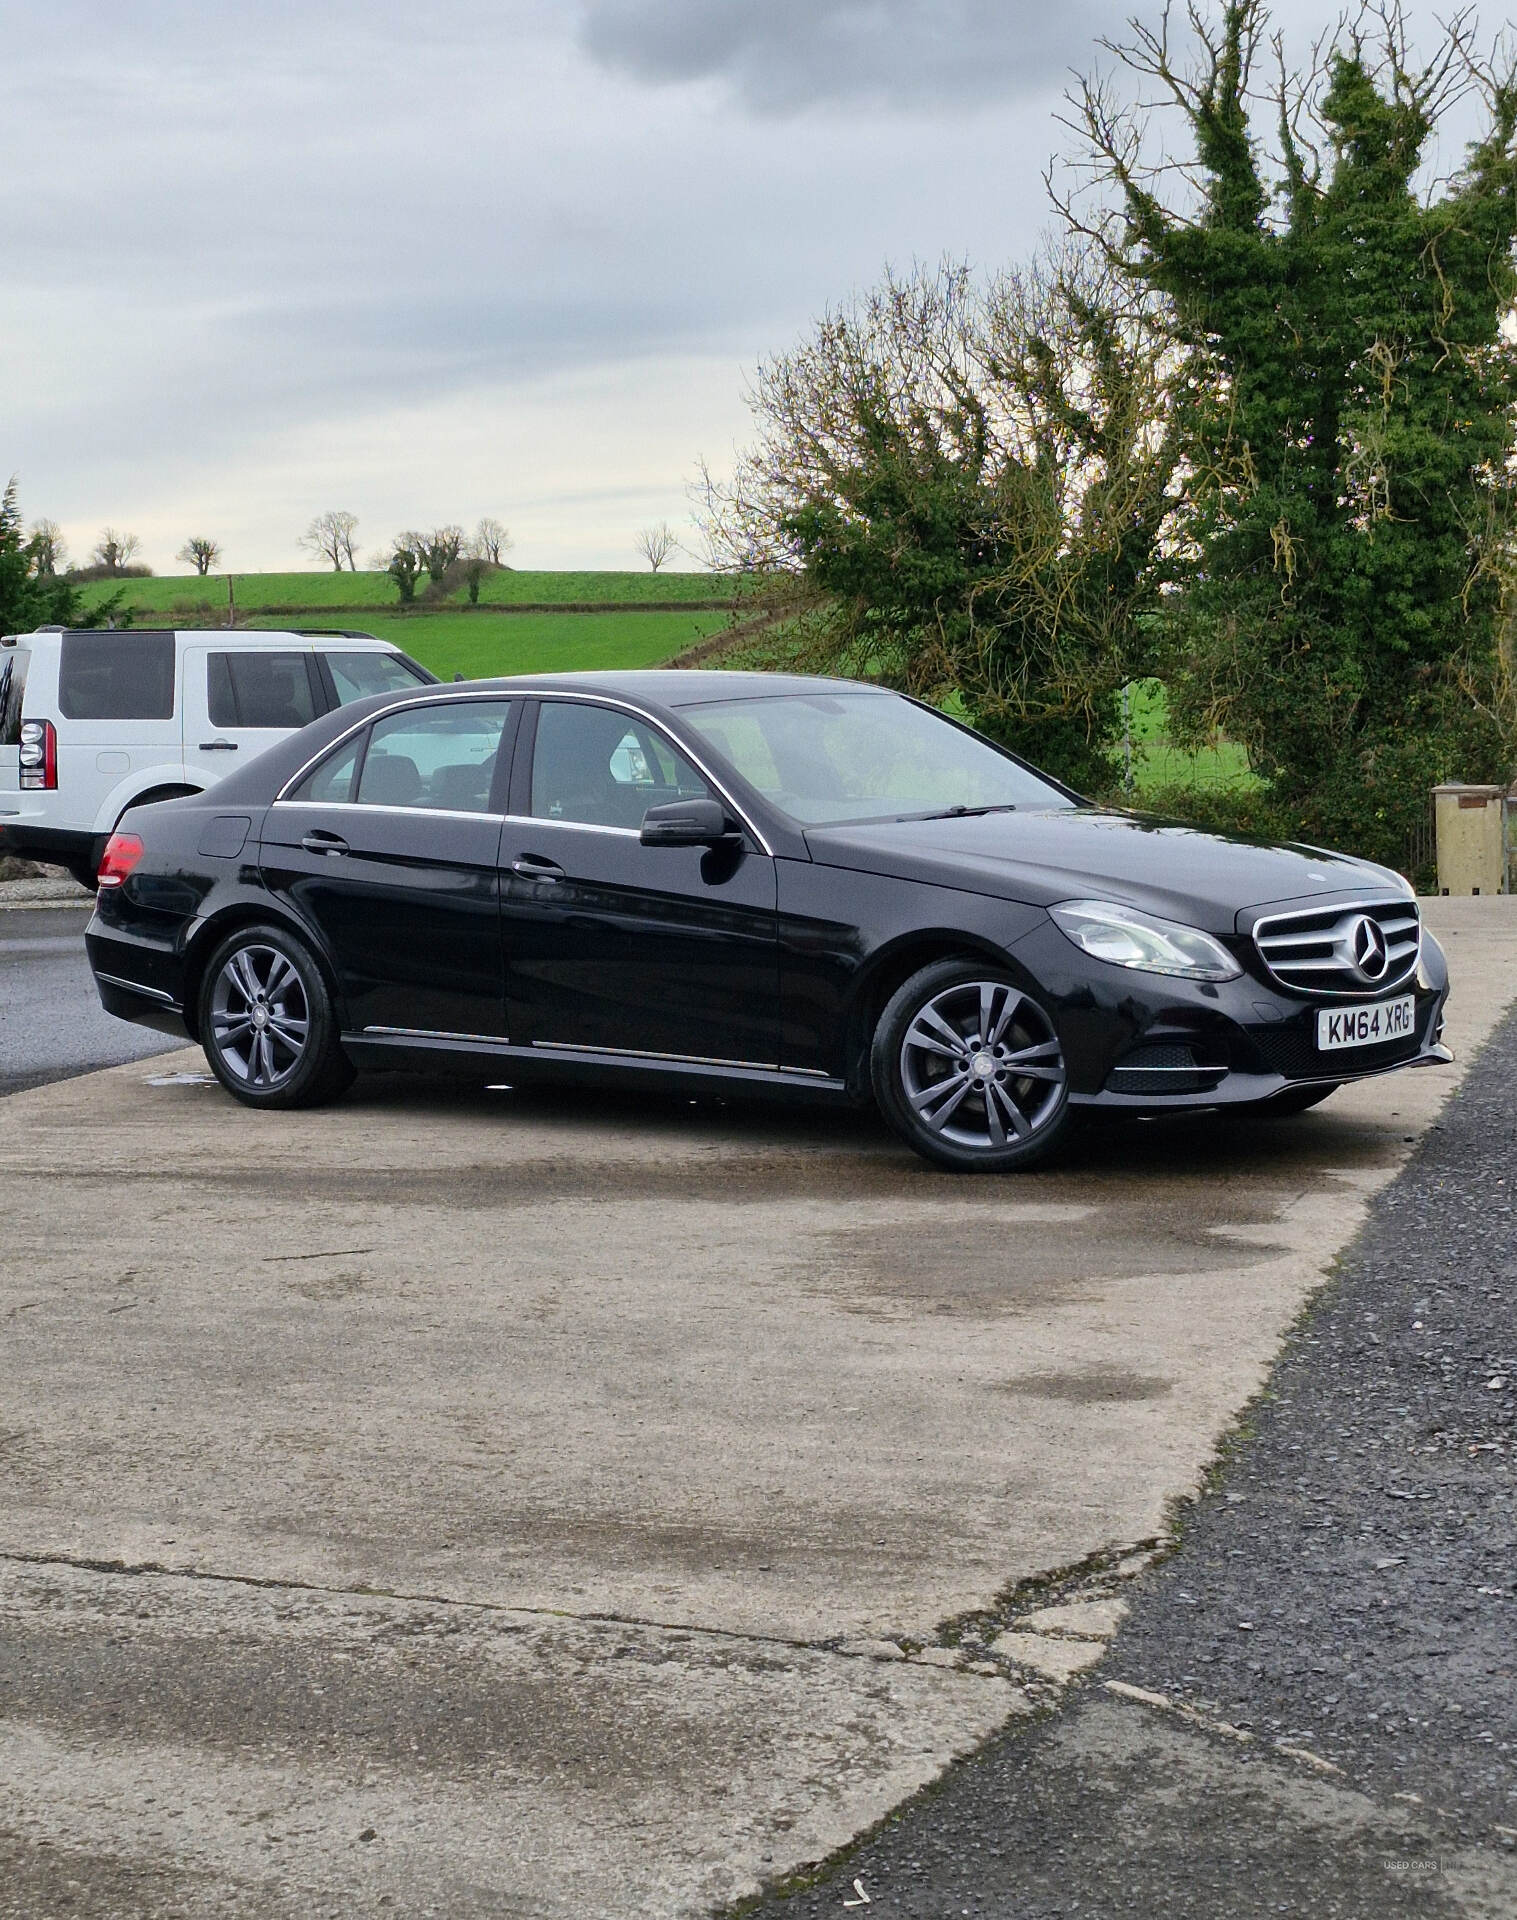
x=150 y=1569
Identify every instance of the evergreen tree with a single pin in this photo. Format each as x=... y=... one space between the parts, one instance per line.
x=29 y=596
x=1350 y=432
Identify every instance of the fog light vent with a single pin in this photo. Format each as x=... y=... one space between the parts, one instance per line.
x=1163 y=1069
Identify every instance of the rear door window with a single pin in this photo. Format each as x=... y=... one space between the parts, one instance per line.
x=333 y=781
x=261 y=690
x=441 y=757
x=116 y=676
x=13 y=665
x=356 y=675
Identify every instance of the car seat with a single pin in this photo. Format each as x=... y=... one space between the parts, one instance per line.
x=390 y=780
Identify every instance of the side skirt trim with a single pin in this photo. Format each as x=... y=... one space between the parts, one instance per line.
x=603 y=1059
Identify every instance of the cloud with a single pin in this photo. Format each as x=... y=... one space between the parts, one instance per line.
x=782 y=55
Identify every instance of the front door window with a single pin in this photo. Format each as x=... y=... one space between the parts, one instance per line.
x=595 y=767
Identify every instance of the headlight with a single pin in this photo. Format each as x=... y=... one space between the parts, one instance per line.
x=1128 y=938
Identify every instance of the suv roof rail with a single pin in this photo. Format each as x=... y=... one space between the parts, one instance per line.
x=334 y=633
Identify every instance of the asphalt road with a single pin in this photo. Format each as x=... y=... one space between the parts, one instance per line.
x=52 y=1025
x=1315 y=1699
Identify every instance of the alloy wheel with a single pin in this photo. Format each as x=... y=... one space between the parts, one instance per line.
x=260 y=1016
x=981 y=1066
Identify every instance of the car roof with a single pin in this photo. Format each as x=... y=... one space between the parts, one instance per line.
x=676 y=686
x=670 y=689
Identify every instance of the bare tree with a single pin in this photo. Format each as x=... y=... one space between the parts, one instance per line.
x=113 y=550
x=439 y=549
x=200 y=553
x=331 y=537
x=49 y=549
x=491 y=540
x=656 y=544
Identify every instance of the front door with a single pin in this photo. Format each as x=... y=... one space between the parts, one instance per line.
x=617 y=947
x=239 y=700
x=391 y=849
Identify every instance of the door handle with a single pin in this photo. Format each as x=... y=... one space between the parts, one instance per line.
x=319 y=842
x=218 y=746
x=532 y=866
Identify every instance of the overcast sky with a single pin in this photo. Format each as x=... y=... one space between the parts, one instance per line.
x=431 y=262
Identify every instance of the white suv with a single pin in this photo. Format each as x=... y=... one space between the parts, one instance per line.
x=93 y=722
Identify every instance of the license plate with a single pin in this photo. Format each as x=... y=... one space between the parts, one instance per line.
x=1366 y=1026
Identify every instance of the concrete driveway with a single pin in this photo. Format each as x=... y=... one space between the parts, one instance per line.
x=481 y=1503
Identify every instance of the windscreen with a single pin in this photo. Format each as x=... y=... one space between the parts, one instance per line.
x=824 y=758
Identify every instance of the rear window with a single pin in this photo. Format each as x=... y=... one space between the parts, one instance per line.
x=356 y=675
x=13 y=665
x=260 y=690
x=116 y=676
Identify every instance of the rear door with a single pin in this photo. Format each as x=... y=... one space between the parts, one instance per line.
x=390 y=848
x=239 y=700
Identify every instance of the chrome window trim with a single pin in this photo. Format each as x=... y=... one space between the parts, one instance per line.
x=431 y=697
x=579 y=826
x=384 y=806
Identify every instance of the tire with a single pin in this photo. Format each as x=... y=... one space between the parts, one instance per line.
x=267 y=1023
x=945 y=1063
x=1280 y=1106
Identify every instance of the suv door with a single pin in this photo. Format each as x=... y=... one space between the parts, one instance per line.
x=614 y=946
x=389 y=848
x=239 y=700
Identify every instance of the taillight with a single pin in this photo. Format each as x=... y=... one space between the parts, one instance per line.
x=122 y=852
x=39 y=754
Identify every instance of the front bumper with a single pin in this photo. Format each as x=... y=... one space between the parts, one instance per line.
x=1243 y=1040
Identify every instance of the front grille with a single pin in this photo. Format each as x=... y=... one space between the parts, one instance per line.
x=1366 y=947
x=1293 y=1053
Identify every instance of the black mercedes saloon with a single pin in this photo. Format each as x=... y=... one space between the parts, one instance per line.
x=728 y=882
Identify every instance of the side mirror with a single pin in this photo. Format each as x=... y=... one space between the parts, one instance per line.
x=687 y=823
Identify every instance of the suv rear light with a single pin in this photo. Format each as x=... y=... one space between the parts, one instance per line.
x=39 y=754
x=122 y=852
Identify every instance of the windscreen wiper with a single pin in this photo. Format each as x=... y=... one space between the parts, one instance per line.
x=963 y=813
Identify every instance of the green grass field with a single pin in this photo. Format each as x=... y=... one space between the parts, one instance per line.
x=329 y=591
x=489 y=644
x=490 y=639
x=1157 y=764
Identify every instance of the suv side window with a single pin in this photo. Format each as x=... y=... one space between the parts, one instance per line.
x=600 y=768
x=356 y=675
x=260 y=690
x=116 y=676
